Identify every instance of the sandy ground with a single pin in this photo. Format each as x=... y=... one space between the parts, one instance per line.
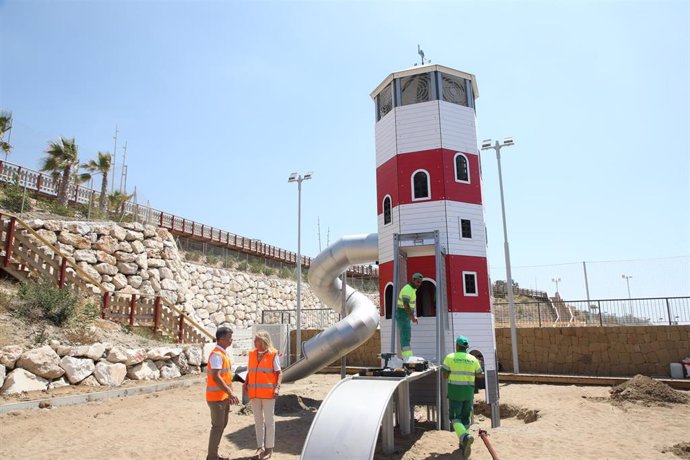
x=574 y=423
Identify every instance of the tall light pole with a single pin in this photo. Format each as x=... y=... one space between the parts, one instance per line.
x=627 y=281
x=557 y=280
x=497 y=146
x=294 y=177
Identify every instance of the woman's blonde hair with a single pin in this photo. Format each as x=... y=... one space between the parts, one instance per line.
x=265 y=337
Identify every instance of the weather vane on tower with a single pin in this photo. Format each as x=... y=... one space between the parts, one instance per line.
x=421 y=54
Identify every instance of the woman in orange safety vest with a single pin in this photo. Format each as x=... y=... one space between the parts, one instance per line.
x=262 y=385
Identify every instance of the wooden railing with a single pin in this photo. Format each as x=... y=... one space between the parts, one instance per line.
x=45 y=185
x=28 y=256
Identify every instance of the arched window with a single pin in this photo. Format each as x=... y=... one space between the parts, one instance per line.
x=462 y=168
x=388 y=300
x=421 y=189
x=426 y=299
x=387 y=218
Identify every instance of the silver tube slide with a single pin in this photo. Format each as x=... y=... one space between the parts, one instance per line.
x=361 y=315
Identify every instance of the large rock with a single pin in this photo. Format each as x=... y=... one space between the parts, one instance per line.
x=135 y=281
x=169 y=284
x=111 y=375
x=135 y=356
x=126 y=257
x=128 y=268
x=43 y=362
x=106 y=269
x=138 y=247
x=90 y=381
x=134 y=236
x=120 y=281
x=85 y=255
x=77 y=369
x=144 y=371
x=2 y=375
x=107 y=244
x=9 y=355
x=47 y=235
x=193 y=356
x=118 y=232
x=103 y=256
x=156 y=263
x=76 y=241
x=76 y=227
x=162 y=353
x=117 y=354
x=59 y=383
x=153 y=244
x=95 y=351
x=20 y=380
x=170 y=371
x=142 y=261
x=89 y=270
x=181 y=362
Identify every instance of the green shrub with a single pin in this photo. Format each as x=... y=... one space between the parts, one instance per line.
x=256 y=268
x=228 y=263
x=285 y=272
x=12 y=198
x=56 y=208
x=45 y=300
x=211 y=259
x=243 y=266
x=268 y=271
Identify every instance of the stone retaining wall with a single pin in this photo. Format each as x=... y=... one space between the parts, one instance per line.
x=598 y=351
x=366 y=355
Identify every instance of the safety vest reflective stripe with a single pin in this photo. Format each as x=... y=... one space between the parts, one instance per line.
x=213 y=391
x=455 y=382
x=261 y=369
x=261 y=380
x=461 y=373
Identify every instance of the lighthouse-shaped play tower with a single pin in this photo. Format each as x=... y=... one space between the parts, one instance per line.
x=430 y=214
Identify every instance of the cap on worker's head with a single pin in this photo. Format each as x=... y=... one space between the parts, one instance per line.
x=417 y=276
x=462 y=341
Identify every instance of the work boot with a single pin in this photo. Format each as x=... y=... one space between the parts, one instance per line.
x=466 y=446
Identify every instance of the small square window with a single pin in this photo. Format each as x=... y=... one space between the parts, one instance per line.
x=466 y=228
x=470 y=283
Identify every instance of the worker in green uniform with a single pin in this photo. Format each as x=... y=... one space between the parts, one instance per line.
x=405 y=314
x=460 y=369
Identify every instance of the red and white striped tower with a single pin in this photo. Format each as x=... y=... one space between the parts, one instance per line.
x=428 y=178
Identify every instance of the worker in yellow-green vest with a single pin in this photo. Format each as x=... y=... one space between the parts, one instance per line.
x=405 y=313
x=460 y=369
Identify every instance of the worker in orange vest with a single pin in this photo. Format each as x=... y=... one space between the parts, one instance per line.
x=219 y=394
x=263 y=384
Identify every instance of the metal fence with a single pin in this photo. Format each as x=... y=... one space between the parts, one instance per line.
x=46 y=185
x=605 y=312
x=312 y=318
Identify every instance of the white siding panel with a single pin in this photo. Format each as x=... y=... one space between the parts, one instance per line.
x=479 y=329
x=424 y=216
x=386 y=235
x=385 y=139
x=423 y=338
x=418 y=127
x=459 y=128
x=476 y=246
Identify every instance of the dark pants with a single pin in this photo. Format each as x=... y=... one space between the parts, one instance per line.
x=219 y=420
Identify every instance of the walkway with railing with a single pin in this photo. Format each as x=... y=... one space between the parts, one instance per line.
x=27 y=256
x=656 y=311
x=45 y=185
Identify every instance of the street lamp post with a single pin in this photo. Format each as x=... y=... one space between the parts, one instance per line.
x=497 y=146
x=627 y=281
x=556 y=280
x=294 y=177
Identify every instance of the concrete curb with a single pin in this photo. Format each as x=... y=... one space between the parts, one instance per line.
x=97 y=396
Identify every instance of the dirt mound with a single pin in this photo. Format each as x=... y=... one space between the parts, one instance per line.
x=647 y=391
x=681 y=450
x=508 y=410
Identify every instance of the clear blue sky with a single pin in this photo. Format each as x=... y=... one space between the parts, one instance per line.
x=220 y=101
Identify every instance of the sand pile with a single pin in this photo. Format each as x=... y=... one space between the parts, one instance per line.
x=681 y=450
x=647 y=391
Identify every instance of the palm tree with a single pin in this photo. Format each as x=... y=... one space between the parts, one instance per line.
x=61 y=159
x=5 y=126
x=116 y=200
x=100 y=166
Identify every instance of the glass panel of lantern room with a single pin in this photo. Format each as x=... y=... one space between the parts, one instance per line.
x=415 y=89
x=384 y=102
x=454 y=89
